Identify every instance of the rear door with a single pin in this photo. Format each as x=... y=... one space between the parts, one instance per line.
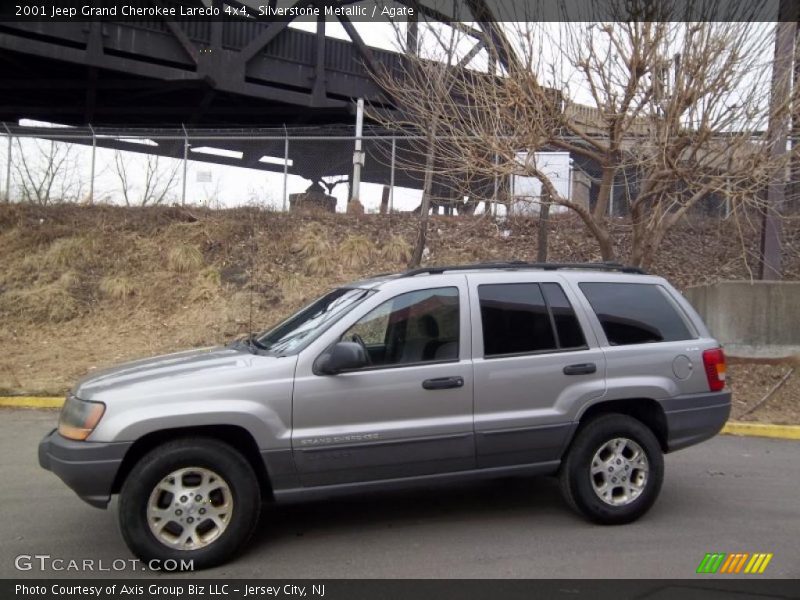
x=535 y=361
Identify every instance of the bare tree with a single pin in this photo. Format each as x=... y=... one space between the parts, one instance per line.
x=157 y=181
x=678 y=109
x=423 y=111
x=46 y=171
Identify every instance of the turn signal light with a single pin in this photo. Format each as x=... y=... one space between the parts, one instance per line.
x=79 y=418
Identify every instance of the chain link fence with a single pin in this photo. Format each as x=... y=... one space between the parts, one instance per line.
x=277 y=169
x=282 y=170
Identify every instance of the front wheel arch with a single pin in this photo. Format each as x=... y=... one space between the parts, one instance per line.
x=235 y=436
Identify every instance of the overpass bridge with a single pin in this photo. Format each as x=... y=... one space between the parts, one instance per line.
x=198 y=75
x=204 y=74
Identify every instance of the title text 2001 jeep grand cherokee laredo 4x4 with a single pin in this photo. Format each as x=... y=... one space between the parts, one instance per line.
x=589 y=371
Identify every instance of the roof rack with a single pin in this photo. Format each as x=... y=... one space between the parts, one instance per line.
x=521 y=264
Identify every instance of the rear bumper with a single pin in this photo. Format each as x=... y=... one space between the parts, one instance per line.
x=694 y=418
x=89 y=468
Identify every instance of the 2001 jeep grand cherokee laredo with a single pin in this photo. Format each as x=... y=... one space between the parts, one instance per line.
x=587 y=371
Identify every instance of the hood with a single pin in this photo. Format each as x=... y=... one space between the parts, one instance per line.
x=165 y=369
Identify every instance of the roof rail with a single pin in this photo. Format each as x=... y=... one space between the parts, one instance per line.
x=521 y=264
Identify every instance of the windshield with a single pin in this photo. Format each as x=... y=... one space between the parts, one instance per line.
x=304 y=326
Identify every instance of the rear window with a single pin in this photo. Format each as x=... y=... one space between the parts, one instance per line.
x=526 y=317
x=635 y=313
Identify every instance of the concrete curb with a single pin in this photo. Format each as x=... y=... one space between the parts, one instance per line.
x=769 y=430
x=31 y=401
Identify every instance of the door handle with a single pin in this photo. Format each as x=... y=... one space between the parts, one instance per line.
x=581 y=369
x=443 y=383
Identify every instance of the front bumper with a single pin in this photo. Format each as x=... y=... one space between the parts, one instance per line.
x=89 y=468
x=694 y=418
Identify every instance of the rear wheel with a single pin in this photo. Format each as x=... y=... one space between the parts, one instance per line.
x=192 y=499
x=613 y=471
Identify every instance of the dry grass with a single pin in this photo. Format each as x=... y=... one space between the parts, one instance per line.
x=396 y=250
x=69 y=280
x=55 y=261
x=206 y=285
x=141 y=253
x=356 y=252
x=295 y=289
x=316 y=250
x=184 y=258
x=210 y=276
x=238 y=309
x=52 y=302
x=289 y=283
x=71 y=252
x=118 y=287
x=313 y=242
x=320 y=265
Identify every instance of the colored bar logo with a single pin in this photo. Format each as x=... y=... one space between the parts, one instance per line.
x=737 y=562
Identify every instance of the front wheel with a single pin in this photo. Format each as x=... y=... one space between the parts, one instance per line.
x=613 y=471
x=193 y=499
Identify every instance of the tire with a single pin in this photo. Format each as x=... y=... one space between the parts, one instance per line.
x=617 y=441
x=163 y=489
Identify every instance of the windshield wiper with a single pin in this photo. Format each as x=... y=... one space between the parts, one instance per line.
x=250 y=342
x=253 y=343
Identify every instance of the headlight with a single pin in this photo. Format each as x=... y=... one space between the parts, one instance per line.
x=79 y=417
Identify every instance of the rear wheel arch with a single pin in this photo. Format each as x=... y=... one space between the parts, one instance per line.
x=646 y=410
x=239 y=438
x=613 y=470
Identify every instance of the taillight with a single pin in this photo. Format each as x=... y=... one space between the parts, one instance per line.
x=714 y=362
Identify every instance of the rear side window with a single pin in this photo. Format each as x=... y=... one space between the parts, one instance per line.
x=635 y=313
x=517 y=319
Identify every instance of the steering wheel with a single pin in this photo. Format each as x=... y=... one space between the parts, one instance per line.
x=360 y=341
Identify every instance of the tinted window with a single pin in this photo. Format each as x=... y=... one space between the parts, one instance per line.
x=635 y=313
x=570 y=334
x=515 y=319
x=411 y=328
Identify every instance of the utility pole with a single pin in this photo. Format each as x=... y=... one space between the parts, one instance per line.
x=793 y=189
x=185 y=163
x=8 y=165
x=358 y=154
x=94 y=155
x=780 y=95
x=285 y=167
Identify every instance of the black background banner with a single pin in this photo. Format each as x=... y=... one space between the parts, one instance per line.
x=396 y=10
x=344 y=589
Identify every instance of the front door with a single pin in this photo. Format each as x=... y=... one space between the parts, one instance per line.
x=409 y=413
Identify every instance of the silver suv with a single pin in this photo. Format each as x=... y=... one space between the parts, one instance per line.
x=586 y=371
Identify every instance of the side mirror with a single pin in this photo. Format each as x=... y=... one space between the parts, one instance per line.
x=341 y=357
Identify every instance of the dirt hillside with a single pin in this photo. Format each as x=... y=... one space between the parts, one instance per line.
x=86 y=287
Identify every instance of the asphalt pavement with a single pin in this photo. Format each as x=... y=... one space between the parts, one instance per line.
x=730 y=494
